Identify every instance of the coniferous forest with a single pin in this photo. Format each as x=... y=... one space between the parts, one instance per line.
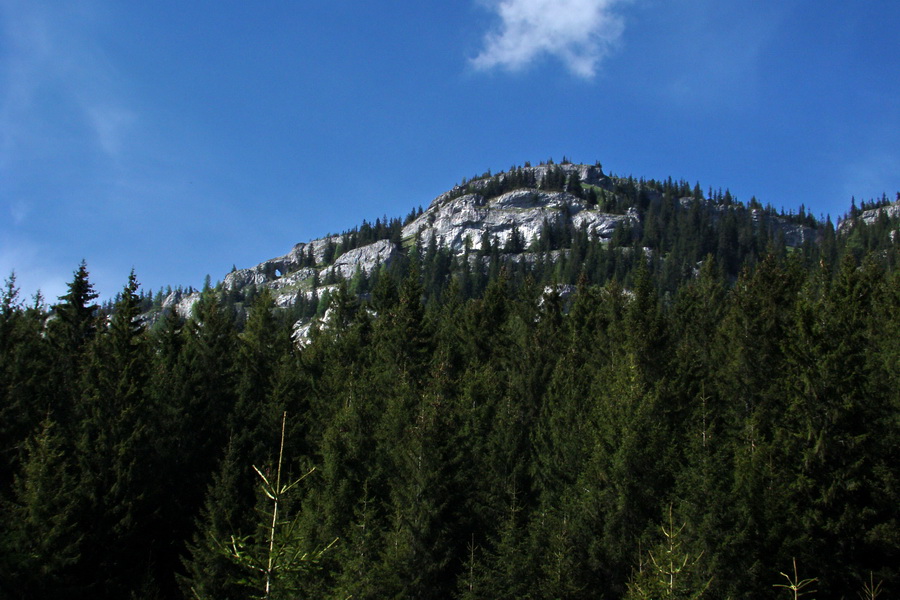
x=700 y=412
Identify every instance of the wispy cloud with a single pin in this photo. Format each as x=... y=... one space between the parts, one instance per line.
x=67 y=137
x=34 y=272
x=580 y=33
x=18 y=211
x=872 y=173
x=714 y=59
x=110 y=126
x=57 y=83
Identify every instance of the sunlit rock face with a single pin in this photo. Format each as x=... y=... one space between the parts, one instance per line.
x=459 y=222
x=508 y=210
x=364 y=259
x=183 y=303
x=454 y=220
x=871 y=217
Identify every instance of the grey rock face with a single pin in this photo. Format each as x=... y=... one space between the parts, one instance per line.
x=891 y=211
x=456 y=222
x=589 y=174
x=182 y=303
x=794 y=234
x=365 y=258
x=870 y=217
x=453 y=220
x=465 y=216
x=276 y=268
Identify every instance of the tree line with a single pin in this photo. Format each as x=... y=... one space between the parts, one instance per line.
x=463 y=430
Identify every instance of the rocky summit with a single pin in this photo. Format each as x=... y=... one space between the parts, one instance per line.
x=513 y=212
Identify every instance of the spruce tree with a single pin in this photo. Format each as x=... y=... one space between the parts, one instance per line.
x=76 y=312
x=752 y=378
x=41 y=534
x=70 y=331
x=831 y=435
x=117 y=457
x=28 y=385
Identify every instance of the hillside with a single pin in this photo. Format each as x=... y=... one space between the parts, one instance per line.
x=525 y=215
x=552 y=383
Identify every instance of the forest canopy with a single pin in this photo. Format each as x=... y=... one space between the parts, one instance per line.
x=689 y=413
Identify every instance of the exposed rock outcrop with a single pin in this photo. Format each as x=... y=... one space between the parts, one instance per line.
x=891 y=211
x=510 y=210
x=462 y=221
x=183 y=303
x=276 y=268
x=366 y=259
x=870 y=217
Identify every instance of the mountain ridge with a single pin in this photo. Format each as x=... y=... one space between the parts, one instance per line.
x=515 y=211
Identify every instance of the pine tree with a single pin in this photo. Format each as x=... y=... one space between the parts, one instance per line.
x=76 y=312
x=42 y=538
x=194 y=392
x=426 y=501
x=117 y=457
x=28 y=388
x=262 y=347
x=208 y=570
x=669 y=568
x=752 y=377
x=231 y=497
x=831 y=438
x=74 y=326
x=274 y=557
x=508 y=568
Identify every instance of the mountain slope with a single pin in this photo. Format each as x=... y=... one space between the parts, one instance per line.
x=522 y=214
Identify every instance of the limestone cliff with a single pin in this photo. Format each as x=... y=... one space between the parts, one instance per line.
x=510 y=210
x=889 y=212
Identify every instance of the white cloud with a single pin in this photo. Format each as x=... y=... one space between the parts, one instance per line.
x=578 y=32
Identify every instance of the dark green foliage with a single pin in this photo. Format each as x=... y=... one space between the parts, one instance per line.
x=29 y=391
x=75 y=312
x=479 y=427
x=42 y=538
x=209 y=573
x=116 y=457
x=668 y=571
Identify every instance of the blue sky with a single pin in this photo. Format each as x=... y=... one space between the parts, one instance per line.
x=181 y=138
